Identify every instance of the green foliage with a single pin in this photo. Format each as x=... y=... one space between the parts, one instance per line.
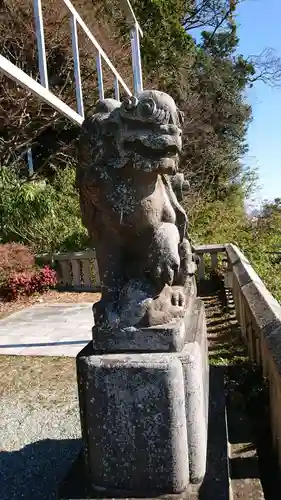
x=42 y=215
x=217 y=221
x=266 y=237
x=226 y=222
x=165 y=45
x=207 y=79
x=215 y=141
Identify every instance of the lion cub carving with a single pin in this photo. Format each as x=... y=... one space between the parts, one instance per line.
x=126 y=176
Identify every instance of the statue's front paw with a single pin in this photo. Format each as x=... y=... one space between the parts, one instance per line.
x=177 y=298
x=174 y=296
x=167 y=273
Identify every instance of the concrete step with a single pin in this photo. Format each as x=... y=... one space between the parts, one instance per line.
x=232 y=460
x=216 y=485
x=243 y=457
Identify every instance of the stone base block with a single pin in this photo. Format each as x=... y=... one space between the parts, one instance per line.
x=144 y=417
x=134 y=423
x=170 y=337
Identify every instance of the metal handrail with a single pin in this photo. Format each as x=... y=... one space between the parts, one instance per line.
x=41 y=89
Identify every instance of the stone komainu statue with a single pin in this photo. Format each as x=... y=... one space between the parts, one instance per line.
x=129 y=195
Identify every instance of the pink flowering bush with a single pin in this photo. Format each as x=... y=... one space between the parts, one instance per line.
x=28 y=283
x=19 y=275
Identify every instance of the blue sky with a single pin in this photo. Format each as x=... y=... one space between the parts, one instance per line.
x=259 y=27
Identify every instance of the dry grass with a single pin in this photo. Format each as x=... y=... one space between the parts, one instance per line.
x=43 y=380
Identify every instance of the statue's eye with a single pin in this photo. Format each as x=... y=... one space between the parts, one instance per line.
x=147 y=108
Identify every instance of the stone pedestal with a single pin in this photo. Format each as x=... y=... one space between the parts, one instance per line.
x=144 y=414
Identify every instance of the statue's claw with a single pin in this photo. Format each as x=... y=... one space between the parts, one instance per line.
x=178 y=298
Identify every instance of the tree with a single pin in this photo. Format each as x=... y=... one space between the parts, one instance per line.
x=215 y=136
x=27 y=122
x=208 y=80
x=210 y=14
x=268 y=68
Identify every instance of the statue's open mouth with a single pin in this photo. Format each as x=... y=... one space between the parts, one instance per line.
x=137 y=146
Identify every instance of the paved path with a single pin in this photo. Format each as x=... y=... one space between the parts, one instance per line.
x=47 y=330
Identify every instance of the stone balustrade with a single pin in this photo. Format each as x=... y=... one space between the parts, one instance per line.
x=202 y=251
x=77 y=271
x=259 y=316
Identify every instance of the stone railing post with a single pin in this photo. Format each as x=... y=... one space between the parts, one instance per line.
x=77 y=271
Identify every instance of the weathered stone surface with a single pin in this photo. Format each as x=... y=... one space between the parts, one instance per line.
x=194 y=359
x=234 y=255
x=76 y=486
x=102 y=378
x=245 y=273
x=179 y=185
x=216 y=484
x=164 y=338
x=265 y=311
x=240 y=266
x=134 y=422
x=127 y=179
x=265 y=308
x=170 y=337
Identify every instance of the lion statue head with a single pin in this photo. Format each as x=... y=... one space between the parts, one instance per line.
x=143 y=132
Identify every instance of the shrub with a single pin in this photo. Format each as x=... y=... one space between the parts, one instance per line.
x=23 y=283
x=15 y=258
x=44 y=279
x=17 y=284
x=43 y=215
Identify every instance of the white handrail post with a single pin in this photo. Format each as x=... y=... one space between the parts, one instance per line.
x=77 y=75
x=136 y=59
x=30 y=162
x=40 y=43
x=100 y=79
x=116 y=89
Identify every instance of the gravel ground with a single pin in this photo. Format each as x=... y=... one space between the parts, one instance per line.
x=39 y=425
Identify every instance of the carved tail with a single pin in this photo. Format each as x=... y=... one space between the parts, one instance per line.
x=181 y=216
